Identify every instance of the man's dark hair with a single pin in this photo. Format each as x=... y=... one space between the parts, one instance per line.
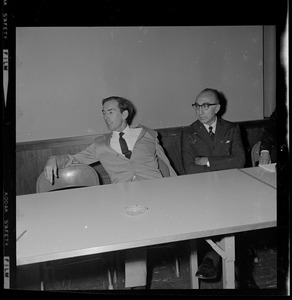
x=124 y=104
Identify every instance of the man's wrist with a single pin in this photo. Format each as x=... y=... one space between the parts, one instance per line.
x=265 y=151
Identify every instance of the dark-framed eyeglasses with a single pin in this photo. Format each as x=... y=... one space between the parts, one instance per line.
x=204 y=106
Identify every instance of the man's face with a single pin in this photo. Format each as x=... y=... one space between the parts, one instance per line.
x=207 y=116
x=114 y=119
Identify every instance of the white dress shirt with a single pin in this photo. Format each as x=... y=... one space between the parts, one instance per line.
x=130 y=136
x=213 y=126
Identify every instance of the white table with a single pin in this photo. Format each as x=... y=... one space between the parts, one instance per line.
x=92 y=220
x=263 y=175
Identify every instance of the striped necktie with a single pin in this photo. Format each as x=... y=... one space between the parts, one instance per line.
x=124 y=146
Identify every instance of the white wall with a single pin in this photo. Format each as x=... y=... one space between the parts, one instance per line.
x=62 y=74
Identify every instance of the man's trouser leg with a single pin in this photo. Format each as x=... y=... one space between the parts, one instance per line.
x=135 y=267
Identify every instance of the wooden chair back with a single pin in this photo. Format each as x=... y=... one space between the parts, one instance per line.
x=255 y=153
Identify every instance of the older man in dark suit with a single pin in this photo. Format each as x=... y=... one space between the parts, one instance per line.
x=211 y=144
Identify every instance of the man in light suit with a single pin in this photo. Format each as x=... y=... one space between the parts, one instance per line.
x=211 y=144
x=138 y=162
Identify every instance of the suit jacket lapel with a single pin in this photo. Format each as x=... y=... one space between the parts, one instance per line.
x=219 y=132
x=107 y=139
x=200 y=128
x=142 y=133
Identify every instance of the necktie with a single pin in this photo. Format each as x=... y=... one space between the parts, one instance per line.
x=124 y=146
x=211 y=133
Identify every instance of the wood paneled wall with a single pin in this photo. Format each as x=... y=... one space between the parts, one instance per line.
x=31 y=156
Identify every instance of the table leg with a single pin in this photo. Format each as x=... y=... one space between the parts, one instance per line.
x=228 y=272
x=193 y=264
x=226 y=249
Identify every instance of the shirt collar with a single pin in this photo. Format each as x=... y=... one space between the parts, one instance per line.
x=126 y=130
x=213 y=125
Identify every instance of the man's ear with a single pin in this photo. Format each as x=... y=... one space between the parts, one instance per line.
x=218 y=106
x=125 y=114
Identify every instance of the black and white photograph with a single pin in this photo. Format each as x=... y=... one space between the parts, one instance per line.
x=145 y=148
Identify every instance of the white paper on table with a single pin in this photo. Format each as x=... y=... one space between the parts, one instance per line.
x=269 y=167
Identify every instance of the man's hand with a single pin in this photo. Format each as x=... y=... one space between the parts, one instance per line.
x=51 y=169
x=202 y=161
x=265 y=158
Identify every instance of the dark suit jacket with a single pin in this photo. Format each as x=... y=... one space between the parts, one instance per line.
x=226 y=152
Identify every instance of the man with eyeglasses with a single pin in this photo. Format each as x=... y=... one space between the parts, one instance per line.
x=210 y=144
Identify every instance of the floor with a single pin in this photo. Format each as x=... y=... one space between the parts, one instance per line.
x=91 y=274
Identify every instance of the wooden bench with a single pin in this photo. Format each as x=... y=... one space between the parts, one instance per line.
x=31 y=156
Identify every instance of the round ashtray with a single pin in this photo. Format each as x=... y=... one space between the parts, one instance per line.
x=135 y=210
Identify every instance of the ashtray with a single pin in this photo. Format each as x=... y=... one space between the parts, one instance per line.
x=135 y=210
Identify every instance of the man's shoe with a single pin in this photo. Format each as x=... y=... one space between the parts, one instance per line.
x=207 y=270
